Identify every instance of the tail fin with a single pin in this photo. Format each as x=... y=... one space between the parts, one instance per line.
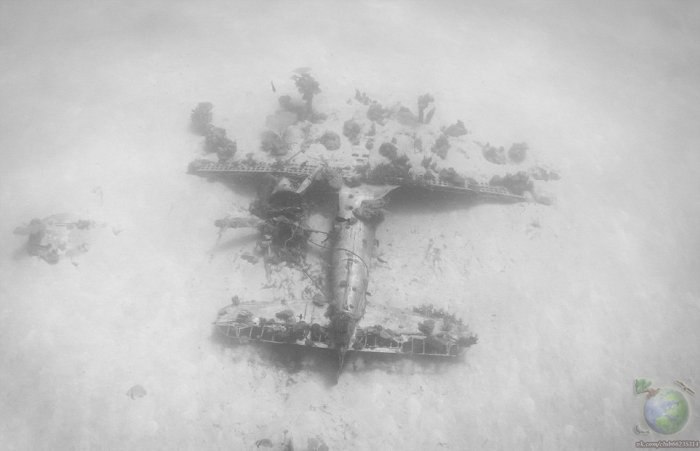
x=341 y=362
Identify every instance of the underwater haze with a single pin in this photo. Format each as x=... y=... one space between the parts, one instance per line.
x=571 y=302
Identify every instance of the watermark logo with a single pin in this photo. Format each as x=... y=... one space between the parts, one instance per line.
x=666 y=411
x=668 y=444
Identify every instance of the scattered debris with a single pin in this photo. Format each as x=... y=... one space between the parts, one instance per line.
x=264 y=442
x=57 y=236
x=543 y=198
x=137 y=391
x=237 y=223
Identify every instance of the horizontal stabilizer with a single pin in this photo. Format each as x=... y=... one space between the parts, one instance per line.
x=243 y=327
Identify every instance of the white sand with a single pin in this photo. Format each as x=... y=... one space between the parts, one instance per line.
x=569 y=312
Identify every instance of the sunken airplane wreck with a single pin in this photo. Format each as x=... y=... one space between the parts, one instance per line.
x=344 y=322
x=336 y=316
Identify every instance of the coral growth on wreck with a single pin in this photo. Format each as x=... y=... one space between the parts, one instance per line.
x=272 y=143
x=496 y=155
x=544 y=174
x=517 y=183
x=517 y=152
x=456 y=130
x=217 y=142
x=389 y=151
x=330 y=140
x=450 y=176
x=352 y=130
x=308 y=87
x=201 y=118
x=441 y=146
x=430 y=311
x=424 y=102
x=377 y=113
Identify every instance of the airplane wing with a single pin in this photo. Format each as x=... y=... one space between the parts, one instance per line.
x=207 y=167
x=426 y=332
x=384 y=329
x=301 y=322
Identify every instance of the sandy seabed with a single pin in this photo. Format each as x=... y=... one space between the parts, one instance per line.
x=571 y=302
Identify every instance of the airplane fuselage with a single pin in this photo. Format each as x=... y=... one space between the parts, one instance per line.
x=352 y=252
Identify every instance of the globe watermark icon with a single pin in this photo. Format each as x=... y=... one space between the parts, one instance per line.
x=666 y=409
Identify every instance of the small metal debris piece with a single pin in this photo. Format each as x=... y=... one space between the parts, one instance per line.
x=137 y=391
x=265 y=442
